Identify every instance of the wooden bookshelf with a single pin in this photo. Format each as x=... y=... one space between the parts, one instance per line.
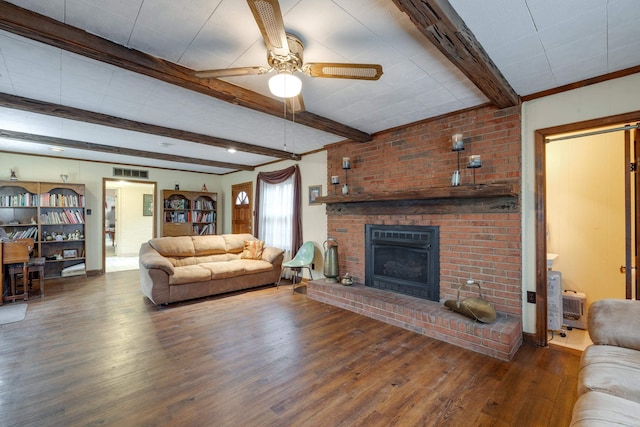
x=189 y=213
x=53 y=214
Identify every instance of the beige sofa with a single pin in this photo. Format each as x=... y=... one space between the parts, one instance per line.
x=609 y=378
x=180 y=268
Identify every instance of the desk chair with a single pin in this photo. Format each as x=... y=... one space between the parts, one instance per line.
x=15 y=258
x=35 y=265
x=303 y=259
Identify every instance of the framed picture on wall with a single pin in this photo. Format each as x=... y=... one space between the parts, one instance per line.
x=315 y=191
x=147 y=205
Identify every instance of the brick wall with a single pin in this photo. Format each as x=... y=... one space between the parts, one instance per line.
x=485 y=246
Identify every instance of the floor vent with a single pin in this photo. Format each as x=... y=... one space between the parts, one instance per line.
x=130 y=173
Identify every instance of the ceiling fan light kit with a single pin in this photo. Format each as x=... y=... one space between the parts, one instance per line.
x=285 y=85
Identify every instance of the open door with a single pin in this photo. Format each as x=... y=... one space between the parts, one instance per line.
x=636 y=151
x=632 y=214
x=242 y=210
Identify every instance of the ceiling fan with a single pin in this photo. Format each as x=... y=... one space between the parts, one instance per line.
x=284 y=56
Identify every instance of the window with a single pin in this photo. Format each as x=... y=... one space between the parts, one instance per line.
x=278 y=204
x=242 y=198
x=276 y=214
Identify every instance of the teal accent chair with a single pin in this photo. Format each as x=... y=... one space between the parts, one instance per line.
x=303 y=259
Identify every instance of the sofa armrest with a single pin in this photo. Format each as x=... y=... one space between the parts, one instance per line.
x=151 y=259
x=270 y=254
x=614 y=322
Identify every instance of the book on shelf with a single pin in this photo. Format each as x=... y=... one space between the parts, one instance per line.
x=207 y=229
x=66 y=216
x=31 y=232
x=22 y=200
x=204 y=205
x=62 y=200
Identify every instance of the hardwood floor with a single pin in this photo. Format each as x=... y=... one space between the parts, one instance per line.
x=94 y=351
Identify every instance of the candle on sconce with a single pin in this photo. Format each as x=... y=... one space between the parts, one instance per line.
x=346 y=163
x=457 y=142
x=335 y=179
x=474 y=161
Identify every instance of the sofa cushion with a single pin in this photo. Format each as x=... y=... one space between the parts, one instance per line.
x=252 y=249
x=256 y=266
x=224 y=270
x=270 y=253
x=612 y=370
x=235 y=242
x=609 y=323
x=189 y=274
x=214 y=258
x=601 y=409
x=173 y=247
x=209 y=245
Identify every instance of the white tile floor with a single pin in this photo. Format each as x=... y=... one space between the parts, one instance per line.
x=121 y=263
x=118 y=263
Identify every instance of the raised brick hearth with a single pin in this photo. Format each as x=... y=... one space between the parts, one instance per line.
x=500 y=339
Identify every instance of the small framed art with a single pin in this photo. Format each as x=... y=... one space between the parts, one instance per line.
x=147 y=205
x=70 y=253
x=315 y=191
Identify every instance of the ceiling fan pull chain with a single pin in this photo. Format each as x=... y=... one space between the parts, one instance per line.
x=285 y=125
x=293 y=129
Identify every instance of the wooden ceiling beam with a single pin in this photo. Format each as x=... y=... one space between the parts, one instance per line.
x=37 y=27
x=71 y=113
x=109 y=149
x=441 y=24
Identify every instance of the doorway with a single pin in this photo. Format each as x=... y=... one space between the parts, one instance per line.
x=129 y=220
x=242 y=215
x=580 y=210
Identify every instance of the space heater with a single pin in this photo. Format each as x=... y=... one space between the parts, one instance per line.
x=573 y=306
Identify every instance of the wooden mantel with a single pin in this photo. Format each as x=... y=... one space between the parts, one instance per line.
x=503 y=189
x=494 y=197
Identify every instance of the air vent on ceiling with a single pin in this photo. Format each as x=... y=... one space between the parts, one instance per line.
x=130 y=173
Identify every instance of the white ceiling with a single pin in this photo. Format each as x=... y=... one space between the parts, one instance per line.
x=536 y=44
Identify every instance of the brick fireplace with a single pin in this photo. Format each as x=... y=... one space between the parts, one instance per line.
x=403 y=178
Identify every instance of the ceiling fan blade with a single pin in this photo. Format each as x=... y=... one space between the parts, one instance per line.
x=337 y=70
x=295 y=103
x=268 y=16
x=230 y=72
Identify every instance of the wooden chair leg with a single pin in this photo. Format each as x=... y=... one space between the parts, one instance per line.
x=25 y=281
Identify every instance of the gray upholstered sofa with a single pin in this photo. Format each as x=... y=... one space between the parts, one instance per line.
x=609 y=378
x=180 y=268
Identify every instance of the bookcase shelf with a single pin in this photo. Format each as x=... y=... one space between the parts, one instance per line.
x=53 y=214
x=188 y=213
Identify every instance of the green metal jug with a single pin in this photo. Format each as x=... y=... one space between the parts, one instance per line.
x=331 y=268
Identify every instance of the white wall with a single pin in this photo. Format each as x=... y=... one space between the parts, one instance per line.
x=132 y=227
x=32 y=168
x=313 y=169
x=600 y=100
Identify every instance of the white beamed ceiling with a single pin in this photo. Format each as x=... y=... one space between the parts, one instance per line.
x=536 y=44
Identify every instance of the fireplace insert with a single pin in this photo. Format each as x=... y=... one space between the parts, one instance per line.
x=403 y=259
